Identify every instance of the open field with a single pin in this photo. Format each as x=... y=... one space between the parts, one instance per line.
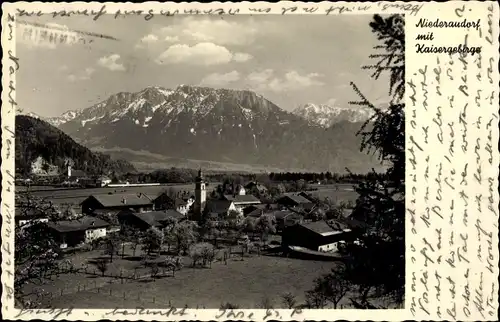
x=244 y=283
x=75 y=196
x=147 y=161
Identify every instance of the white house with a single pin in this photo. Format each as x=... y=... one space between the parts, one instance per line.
x=70 y=233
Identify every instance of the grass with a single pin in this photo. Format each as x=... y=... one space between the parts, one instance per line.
x=244 y=283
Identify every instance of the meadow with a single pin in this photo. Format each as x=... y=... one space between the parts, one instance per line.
x=77 y=195
x=246 y=283
x=335 y=192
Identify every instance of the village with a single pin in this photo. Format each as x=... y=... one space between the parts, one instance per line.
x=161 y=183
x=127 y=235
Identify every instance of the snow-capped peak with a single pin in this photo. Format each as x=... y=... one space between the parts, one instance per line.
x=326 y=114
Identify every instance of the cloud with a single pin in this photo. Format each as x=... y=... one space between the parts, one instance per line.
x=205 y=53
x=171 y=39
x=192 y=30
x=110 y=62
x=215 y=30
x=85 y=75
x=147 y=41
x=242 y=57
x=266 y=80
x=220 y=80
x=149 y=38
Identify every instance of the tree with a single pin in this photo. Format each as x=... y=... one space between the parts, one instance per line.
x=202 y=251
x=173 y=263
x=131 y=235
x=378 y=263
x=102 y=265
x=154 y=270
x=112 y=247
x=288 y=300
x=152 y=240
x=266 y=303
x=36 y=252
x=265 y=224
x=333 y=286
x=184 y=234
x=315 y=299
x=168 y=231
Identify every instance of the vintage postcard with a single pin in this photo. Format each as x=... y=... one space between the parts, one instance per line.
x=250 y=161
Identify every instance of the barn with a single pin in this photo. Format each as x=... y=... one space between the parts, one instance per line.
x=138 y=202
x=316 y=236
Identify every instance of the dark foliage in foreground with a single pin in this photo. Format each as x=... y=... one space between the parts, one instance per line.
x=376 y=267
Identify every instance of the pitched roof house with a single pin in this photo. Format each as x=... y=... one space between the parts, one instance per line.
x=139 y=202
x=83 y=230
x=23 y=217
x=317 y=235
x=219 y=208
x=296 y=202
x=146 y=220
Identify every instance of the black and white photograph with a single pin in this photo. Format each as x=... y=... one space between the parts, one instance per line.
x=210 y=161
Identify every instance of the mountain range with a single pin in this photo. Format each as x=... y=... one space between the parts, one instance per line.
x=327 y=115
x=222 y=125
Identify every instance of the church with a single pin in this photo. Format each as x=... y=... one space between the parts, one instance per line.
x=237 y=202
x=200 y=195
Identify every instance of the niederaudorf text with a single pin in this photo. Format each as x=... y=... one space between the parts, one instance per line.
x=438 y=23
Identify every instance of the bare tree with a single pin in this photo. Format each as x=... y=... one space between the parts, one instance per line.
x=102 y=265
x=266 y=303
x=112 y=246
x=333 y=286
x=154 y=270
x=315 y=300
x=288 y=300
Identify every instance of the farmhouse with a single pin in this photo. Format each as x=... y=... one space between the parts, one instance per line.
x=181 y=204
x=252 y=208
x=296 y=202
x=163 y=201
x=254 y=212
x=285 y=218
x=242 y=201
x=219 y=208
x=26 y=217
x=138 y=202
x=110 y=216
x=255 y=186
x=317 y=235
x=145 y=220
x=70 y=233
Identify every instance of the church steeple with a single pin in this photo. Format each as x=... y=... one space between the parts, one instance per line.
x=199 y=178
x=200 y=194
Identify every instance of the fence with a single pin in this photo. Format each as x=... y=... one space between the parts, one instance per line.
x=104 y=288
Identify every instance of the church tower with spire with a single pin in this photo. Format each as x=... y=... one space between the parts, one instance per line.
x=200 y=195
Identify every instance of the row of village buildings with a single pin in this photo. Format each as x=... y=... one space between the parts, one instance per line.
x=143 y=212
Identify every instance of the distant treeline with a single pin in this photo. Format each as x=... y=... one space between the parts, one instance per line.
x=178 y=175
x=322 y=176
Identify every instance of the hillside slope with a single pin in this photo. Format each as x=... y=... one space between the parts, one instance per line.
x=36 y=138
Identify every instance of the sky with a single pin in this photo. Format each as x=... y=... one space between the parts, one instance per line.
x=291 y=60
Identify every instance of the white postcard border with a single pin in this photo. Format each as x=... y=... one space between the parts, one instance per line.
x=422 y=241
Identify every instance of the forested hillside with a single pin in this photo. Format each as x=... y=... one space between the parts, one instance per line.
x=35 y=138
